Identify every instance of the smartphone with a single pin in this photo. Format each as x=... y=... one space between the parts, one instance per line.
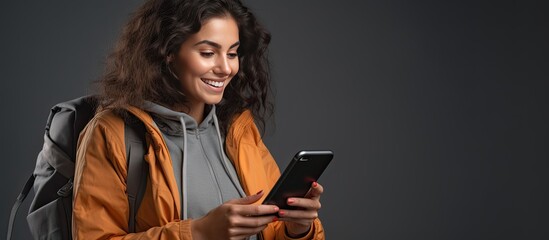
x=296 y=180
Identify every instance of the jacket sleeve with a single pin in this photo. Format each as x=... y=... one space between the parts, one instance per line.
x=256 y=149
x=100 y=205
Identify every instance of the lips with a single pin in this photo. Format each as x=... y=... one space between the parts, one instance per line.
x=214 y=83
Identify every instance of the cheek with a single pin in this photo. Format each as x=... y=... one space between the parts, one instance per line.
x=192 y=65
x=235 y=66
x=198 y=67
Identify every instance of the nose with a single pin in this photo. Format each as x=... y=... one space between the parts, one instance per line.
x=222 y=66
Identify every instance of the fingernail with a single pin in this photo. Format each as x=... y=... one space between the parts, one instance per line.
x=315 y=184
x=275 y=219
x=259 y=192
x=276 y=208
x=291 y=200
x=281 y=213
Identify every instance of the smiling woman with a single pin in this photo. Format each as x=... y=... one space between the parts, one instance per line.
x=206 y=63
x=187 y=68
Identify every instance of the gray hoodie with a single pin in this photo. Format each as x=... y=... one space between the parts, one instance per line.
x=204 y=175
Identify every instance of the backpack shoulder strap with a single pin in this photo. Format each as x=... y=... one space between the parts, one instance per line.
x=134 y=138
x=15 y=208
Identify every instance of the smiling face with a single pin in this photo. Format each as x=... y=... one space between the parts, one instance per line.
x=207 y=61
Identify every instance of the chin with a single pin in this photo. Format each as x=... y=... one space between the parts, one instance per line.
x=213 y=101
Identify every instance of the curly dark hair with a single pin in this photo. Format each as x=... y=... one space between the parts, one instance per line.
x=137 y=70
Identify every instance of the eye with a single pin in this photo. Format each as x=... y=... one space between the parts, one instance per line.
x=232 y=55
x=206 y=54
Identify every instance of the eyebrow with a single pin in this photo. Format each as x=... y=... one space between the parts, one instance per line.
x=216 y=45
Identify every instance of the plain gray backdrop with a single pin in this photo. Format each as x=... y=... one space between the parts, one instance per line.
x=437 y=111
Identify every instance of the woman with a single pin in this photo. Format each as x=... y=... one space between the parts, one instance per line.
x=196 y=74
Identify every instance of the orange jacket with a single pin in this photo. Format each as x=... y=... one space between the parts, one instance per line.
x=100 y=205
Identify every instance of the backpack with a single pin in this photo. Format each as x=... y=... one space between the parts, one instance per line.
x=50 y=213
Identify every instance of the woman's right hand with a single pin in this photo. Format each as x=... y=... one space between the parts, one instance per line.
x=234 y=219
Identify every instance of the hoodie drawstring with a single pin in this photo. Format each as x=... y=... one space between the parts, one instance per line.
x=225 y=162
x=184 y=169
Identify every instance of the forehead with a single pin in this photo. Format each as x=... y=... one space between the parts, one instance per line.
x=222 y=30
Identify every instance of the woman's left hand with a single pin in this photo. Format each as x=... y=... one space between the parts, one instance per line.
x=298 y=222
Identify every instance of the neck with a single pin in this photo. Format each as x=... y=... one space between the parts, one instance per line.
x=195 y=110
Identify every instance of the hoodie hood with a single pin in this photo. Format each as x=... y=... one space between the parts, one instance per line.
x=204 y=161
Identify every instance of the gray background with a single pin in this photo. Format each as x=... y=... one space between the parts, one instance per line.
x=436 y=110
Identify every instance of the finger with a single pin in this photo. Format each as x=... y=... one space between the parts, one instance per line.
x=299 y=221
x=315 y=191
x=299 y=214
x=247 y=200
x=255 y=210
x=254 y=222
x=239 y=237
x=242 y=233
x=306 y=203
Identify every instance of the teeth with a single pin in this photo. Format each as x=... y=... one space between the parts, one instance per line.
x=214 y=83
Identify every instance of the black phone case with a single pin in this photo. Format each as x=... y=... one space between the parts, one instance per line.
x=296 y=180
